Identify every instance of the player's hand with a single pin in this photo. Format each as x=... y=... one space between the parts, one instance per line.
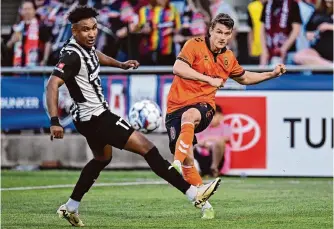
x=56 y=132
x=216 y=82
x=279 y=70
x=130 y=64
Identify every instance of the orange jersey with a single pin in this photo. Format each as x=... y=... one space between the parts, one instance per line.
x=196 y=52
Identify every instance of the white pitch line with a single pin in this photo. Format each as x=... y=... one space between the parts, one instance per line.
x=95 y=185
x=156 y=182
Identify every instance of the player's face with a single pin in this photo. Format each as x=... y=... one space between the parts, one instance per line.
x=85 y=32
x=219 y=36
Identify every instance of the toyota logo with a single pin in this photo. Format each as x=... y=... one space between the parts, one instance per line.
x=241 y=124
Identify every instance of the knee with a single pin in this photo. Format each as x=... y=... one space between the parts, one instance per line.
x=103 y=159
x=105 y=156
x=103 y=162
x=189 y=161
x=192 y=115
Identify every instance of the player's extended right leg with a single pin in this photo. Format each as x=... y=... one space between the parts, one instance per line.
x=181 y=126
x=139 y=144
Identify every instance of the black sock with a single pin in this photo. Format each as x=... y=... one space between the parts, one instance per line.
x=161 y=167
x=87 y=178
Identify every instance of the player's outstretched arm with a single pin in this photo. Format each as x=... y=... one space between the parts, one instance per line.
x=183 y=70
x=109 y=61
x=249 y=78
x=52 y=103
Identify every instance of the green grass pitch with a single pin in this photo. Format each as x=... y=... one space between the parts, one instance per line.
x=239 y=202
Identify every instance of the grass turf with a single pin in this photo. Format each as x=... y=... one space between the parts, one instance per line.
x=239 y=203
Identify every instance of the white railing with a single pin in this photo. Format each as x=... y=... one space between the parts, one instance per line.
x=164 y=69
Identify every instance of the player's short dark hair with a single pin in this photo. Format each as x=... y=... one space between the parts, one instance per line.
x=82 y=12
x=223 y=19
x=219 y=109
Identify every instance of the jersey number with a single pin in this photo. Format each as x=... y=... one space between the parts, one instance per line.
x=120 y=123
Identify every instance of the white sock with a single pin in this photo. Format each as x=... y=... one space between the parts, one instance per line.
x=72 y=205
x=191 y=193
x=206 y=205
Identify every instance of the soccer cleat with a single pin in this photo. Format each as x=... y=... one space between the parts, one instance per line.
x=71 y=217
x=205 y=192
x=177 y=165
x=208 y=213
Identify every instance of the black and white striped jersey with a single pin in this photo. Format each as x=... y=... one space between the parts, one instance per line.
x=79 y=68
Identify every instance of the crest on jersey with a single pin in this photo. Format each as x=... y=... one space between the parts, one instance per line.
x=64 y=104
x=206 y=58
x=210 y=113
x=225 y=61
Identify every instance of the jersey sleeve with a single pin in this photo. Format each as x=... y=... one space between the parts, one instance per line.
x=68 y=66
x=188 y=53
x=237 y=70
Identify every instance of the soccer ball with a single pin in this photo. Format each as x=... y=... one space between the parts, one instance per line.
x=145 y=116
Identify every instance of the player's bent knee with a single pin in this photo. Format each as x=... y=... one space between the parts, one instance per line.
x=189 y=161
x=105 y=155
x=103 y=161
x=191 y=115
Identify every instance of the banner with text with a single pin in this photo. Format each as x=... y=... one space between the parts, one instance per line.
x=280 y=133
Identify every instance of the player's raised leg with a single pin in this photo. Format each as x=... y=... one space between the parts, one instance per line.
x=189 y=120
x=192 y=176
x=139 y=144
x=184 y=157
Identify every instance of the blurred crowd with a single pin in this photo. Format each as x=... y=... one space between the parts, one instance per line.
x=153 y=31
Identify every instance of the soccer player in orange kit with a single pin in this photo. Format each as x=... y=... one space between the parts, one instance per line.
x=201 y=68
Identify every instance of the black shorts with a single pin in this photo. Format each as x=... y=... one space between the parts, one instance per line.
x=105 y=129
x=173 y=122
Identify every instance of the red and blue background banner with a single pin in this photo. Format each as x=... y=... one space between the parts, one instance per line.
x=23 y=103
